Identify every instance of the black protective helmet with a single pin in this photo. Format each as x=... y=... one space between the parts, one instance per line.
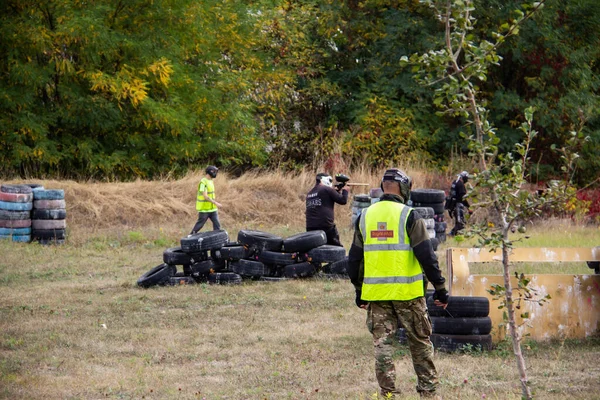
x=464 y=175
x=325 y=179
x=397 y=175
x=212 y=171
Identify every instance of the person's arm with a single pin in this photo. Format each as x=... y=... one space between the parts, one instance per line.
x=206 y=197
x=356 y=265
x=340 y=198
x=423 y=250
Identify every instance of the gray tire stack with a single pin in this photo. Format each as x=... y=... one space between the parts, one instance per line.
x=48 y=217
x=435 y=199
x=16 y=202
x=360 y=202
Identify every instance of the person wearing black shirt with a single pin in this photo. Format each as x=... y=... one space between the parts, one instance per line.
x=458 y=203
x=319 y=207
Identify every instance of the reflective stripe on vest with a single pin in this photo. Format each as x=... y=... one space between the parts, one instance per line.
x=391 y=270
x=203 y=205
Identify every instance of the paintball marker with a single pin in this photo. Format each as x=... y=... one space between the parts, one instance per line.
x=342 y=180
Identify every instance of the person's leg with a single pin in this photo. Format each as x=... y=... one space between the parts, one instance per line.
x=460 y=217
x=333 y=236
x=415 y=320
x=214 y=218
x=382 y=322
x=202 y=218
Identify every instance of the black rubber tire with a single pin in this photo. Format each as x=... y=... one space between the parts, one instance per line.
x=363 y=198
x=451 y=343
x=440 y=236
x=208 y=240
x=440 y=226
x=39 y=213
x=224 y=278
x=13 y=215
x=158 y=275
x=431 y=196
x=461 y=307
x=202 y=269
x=304 y=241
x=35 y=186
x=326 y=254
x=339 y=267
x=47 y=242
x=249 y=268
x=438 y=208
x=15 y=189
x=424 y=212
x=176 y=256
x=260 y=240
x=49 y=194
x=57 y=234
x=180 y=280
x=232 y=253
x=434 y=243
x=277 y=258
x=299 y=270
x=462 y=326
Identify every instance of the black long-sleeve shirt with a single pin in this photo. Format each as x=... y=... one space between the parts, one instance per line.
x=319 y=206
x=458 y=192
x=419 y=241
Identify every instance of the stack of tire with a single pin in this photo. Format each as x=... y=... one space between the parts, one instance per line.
x=427 y=214
x=16 y=202
x=464 y=324
x=359 y=202
x=49 y=216
x=210 y=257
x=270 y=257
x=435 y=199
x=197 y=259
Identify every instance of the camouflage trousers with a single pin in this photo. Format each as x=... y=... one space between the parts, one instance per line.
x=383 y=318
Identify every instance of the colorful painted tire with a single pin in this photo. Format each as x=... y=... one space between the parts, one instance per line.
x=16 y=197
x=49 y=194
x=15 y=223
x=15 y=231
x=49 y=204
x=17 y=238
x=38 y=224
x=11 y=206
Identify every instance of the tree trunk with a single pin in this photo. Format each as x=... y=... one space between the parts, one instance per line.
x=515 y=336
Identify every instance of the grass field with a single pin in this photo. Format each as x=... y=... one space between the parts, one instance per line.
x=74 y=325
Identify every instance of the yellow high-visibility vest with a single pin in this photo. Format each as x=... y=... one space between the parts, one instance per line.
x=203 y=205
x=391 y=270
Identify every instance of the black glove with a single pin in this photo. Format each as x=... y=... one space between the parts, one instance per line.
x=360 y=302
x=441 y=295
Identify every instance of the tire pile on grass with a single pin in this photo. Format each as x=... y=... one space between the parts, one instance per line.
x=48 y=216
x=434 y=199
x=209 y=257
x=464 y=324
x=16 y=202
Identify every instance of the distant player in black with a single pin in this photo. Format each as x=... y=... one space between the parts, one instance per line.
x=457 y=202
x=319 y=207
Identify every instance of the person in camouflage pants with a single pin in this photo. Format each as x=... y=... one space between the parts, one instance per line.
x=390 y=261
x=382 y=322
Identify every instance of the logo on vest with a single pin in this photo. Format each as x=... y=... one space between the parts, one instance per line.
x=382 y=233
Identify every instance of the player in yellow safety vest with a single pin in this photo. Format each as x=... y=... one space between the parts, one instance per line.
x=390 y=253
x=206 y=205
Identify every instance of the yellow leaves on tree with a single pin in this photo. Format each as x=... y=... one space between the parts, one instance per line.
x=161 y=70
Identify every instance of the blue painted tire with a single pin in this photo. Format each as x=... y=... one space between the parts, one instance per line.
x=10 y=206
x=17 y=238
x=15 y=231
x=49 y=194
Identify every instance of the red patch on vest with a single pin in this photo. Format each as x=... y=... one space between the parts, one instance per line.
x=382 y=234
